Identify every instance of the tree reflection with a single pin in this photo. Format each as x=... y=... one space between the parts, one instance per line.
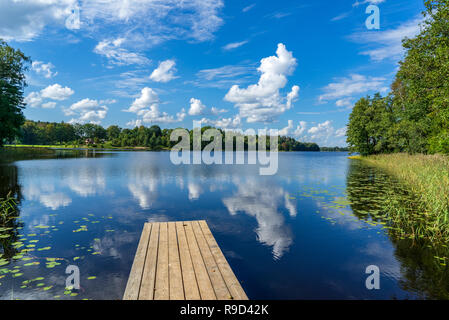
x=424 y=269
x=10 y=197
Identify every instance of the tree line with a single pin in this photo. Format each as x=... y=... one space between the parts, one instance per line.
x=414 y=116
x=154 y=138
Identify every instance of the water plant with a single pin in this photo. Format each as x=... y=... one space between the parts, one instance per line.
x=9 y=227
x=426 y=178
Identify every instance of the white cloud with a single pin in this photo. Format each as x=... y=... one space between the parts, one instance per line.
x=153 y=115
x=44 y=68
x=285 y=131
x=196 y=107
x=324 y=134
x=53 y=92
x=25 y=20
x=262 y=102
x=216 y=111
x=346 y=102
x=33 y=99
x=224 y=123
x=164 y=72
x=341 y=16
x=85 y=104
x=108 y=101
x=341 y=132
x=157 y=21
x=49 y=105
x=247 y=8
x=320 y=128
x=93 y=116
x=113 y=51
x=125 y=83
x=147 y=108
x=223 y=77
x=387 y=44
x=358 y=3
x=344 y=88
x=89 y=111
x=300 y=129
x=225 y=72
x=288 y=130
x=152 y=21
x=148 y=97
x=234 y=45
x=57 y=92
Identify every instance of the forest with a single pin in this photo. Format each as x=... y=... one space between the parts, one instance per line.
x=93 y=135
x=414 y=116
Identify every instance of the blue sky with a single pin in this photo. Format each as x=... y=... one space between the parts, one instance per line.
x=296 y=66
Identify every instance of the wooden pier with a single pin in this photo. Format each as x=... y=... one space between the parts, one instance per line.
x=181 y=261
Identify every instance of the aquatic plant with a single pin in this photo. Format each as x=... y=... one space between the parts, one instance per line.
x=380 y=198
x=8 y=209
x=9 y=226
x=426 y=177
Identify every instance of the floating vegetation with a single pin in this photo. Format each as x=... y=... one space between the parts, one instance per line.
x=82 y=228
x=27 y=254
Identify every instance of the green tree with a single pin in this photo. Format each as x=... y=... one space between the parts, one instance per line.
x=421 y=87
x=371 y=125
x=358 y=137
x=414 y=118
x=13 y=64
x=113 y=132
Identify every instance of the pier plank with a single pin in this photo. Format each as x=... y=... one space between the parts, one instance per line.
x=149 y=272
x=181 y=261
x=188 y=274
x=174 y=264
x=232 y=283
x=135 y=276
x=162 y=288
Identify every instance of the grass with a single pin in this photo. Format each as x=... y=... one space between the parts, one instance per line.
x=7 y=209
x=104 y=146
x=38 y=146
x=427 y=178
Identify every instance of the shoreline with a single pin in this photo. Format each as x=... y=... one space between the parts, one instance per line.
x=71 y=147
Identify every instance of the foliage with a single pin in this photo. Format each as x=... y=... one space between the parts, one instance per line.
x=378 y=197
x=427 y=178
x=8 y=226
x=7 y=209
x=414 y=118
x=154 y=138
x=334 y=149
x=13 y=64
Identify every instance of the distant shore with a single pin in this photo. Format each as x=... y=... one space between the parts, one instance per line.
x=86 y=147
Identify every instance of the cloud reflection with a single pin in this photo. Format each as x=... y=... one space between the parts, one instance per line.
x=265 y=202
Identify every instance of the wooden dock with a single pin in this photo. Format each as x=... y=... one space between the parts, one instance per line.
x=181 y=261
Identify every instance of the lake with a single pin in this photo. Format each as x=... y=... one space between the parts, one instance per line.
x=308 y=232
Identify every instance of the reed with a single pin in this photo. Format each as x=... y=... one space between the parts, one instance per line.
x=8 y=209
x=427 y=179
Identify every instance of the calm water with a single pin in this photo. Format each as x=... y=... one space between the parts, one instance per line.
x=306 y=233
